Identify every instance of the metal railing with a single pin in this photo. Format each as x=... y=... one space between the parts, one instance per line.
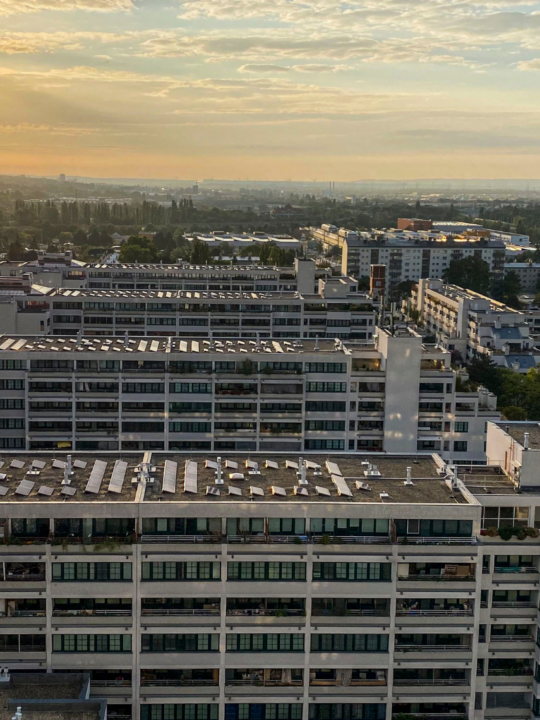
x=268 y=613
x=174 y=611
x=186 y=539
x=504 y=604
x=512 y=638
x=111 y=683
x=265 y=683
x=438 y=578
x=241 y=539
x=432 y=648
x=514 y=672
x=432 y=681
x=438 y=541
x=351 y=539
x=23 y=613
x=514 y=570
x=435 y=613
x=177 y=683
x=91 y=613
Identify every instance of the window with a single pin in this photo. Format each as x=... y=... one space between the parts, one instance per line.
x=326 y=425
x=92 y=643
x=11 y=365
x=270 y=711
x=461 y=427
x=173 y=642
x=436 y=528
x=327 y=387
x=11 y=384
x=345 y=711
x=188 y=711
x=349 y=643
x=22 y=643
x=348 y=526
x=138 y=388
x=352 y=571
x=181 y=571
x=272 y=642
x=266 y=571
x=325 y=406
x=190 y=427
x=11 y=404
x=326 y=367
x=324 y=444
x=460 y=446
x=500 y=516
x=88 y=571
x=286 y=526
x=203 y=388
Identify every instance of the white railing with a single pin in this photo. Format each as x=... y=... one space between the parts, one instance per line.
x=438 y=541
x=189 y=539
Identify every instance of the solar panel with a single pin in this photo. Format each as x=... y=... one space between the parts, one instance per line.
x=236 y=476
x=154 y=346
x=278 y=491
x=60 y=464
x=234 y=490
x=190 y=476
x=2 y=463
x=212 y=490
x=252 y=465
x=142 y=345
x=322 y=491
x=169 y=476
x=256 y=491
x=291 y=464
x=3 y=490
x=39 y=464
x=80 y=464
x=19 y=464
x=300 y=491
x=45 y=490
x=210 y=464
x=312 y=465
x=117 y=477
x=333 y=468
x=25 y=488
x=272 y=464
x=66 y=490
x=96 y=477
x=3 y=476
x=231 y=464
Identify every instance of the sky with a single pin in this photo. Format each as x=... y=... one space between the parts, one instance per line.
x=320 y=90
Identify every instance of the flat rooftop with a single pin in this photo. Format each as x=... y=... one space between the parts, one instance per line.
x=518 y=430
x=486 y=480
x=170 y=345
x=191 y=477
x=42 y=696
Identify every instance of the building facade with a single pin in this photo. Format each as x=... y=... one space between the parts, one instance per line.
x=466 y=322
x=262 y=588
x=110 y=393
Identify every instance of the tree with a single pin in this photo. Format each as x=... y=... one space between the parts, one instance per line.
x=471 y=273
x=482 y=371
x=138 y=249
x=511 y=289
x=200 y=252
x=65 y=237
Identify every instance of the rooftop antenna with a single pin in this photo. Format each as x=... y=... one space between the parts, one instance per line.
x=526 y=441
x=219 y=478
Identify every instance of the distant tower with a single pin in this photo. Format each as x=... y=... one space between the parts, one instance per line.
x=62 y=177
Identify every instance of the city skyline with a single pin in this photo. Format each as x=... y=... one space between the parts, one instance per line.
x=293 y=89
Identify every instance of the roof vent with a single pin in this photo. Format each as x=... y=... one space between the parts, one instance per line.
x=409 y=481
x=526 y=441
x=384 y=495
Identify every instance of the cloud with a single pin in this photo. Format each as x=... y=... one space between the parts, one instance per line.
x=263 y=69
x=13 y=43
x=317 y=68
x=19 y=7
x=529 y=65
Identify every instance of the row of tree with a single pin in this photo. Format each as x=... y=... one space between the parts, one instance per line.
x=518 y=395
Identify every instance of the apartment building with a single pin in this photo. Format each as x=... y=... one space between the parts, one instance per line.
x=111 y=393
x=409 y=255
x=337 y=310
x=528 y=274
x=471 y=324
x=302 y=277
x=271 y=587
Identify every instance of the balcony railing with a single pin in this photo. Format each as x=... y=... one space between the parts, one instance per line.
x=438 y=578
x=350 y=539
x=432 y=681
x=432 y=648
x=514 y=570
x=180 y=611
x=24 y=613
x=279 y=612
x=511 y=672
x=512 y=638
x=430 y=716
x=91 y=613
x=29 y=577
x=111 y=683
x=188 y=539
x=264 y=683
x=438 y=541
x=241 y=539
x=435 y=613
x=177 y=683
x=524 y=604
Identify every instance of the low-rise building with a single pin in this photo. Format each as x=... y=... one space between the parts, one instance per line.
x=112 y=393
x=469 y=323
x=528 y=274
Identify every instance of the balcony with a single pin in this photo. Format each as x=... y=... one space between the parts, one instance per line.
x=350 y=539
x=431 y=682
x=437 y=540
x=182 y=539
x=432 y=648
x=437 y=578
x=408 y=612
x=171 y=612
